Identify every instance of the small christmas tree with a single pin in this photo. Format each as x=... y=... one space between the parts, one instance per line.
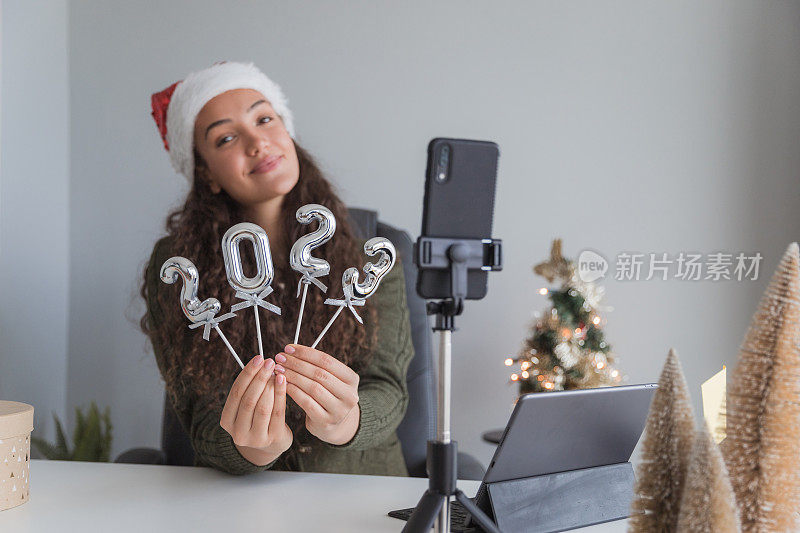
x=708 y=504
x=763 y=408
x=566 y=348
x=668 y=438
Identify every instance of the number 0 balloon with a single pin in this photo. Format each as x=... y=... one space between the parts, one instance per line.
x=356 y=293
x=199 y=313
x=252 y=290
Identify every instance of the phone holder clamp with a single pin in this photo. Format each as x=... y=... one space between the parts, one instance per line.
x=459 y=256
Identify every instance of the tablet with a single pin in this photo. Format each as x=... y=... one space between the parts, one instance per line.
x=559 y=431
x=551 y=432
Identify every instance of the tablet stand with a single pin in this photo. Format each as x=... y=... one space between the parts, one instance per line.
x=563 y=500
x=460 y=256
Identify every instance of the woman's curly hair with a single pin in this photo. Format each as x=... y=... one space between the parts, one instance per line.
x=195 y=231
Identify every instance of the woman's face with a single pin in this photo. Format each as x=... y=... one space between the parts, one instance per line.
x=246 y=149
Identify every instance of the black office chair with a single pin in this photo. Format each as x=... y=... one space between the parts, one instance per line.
x=418 y=424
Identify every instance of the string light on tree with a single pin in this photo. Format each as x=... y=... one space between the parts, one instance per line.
x=566 y=348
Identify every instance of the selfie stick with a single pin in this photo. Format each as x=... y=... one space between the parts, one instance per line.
x=459 y=256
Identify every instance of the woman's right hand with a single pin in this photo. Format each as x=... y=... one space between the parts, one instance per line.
x=255 y=412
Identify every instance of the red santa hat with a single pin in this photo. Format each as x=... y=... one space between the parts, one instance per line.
x=176 y=107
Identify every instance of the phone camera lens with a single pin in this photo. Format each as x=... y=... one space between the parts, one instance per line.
x=444 y=160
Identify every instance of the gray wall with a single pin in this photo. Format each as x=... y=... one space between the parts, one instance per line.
x=623 y=126
x=34 y=211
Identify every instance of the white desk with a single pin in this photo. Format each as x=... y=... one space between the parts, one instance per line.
x=67 y=496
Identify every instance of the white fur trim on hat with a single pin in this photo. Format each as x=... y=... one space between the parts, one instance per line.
x=197 y=89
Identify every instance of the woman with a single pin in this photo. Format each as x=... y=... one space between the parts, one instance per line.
x=228 y=129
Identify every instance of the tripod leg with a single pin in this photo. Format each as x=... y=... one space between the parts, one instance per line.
x=477 y=515
x=421 y=520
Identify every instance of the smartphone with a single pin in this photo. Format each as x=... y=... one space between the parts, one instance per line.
x=459 y=203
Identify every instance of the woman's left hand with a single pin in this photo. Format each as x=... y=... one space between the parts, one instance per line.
x=325 y=388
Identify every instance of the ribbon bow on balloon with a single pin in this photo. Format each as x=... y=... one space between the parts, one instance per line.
x=252 y=300
x=349 y=303
x=307 y=278
x=210 y=322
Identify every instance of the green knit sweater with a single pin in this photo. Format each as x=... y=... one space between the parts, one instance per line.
x=383 y=398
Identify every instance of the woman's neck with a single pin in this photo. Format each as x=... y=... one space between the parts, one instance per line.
x=268 y=216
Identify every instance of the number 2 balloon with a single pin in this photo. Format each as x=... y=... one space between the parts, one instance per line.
x=300 y=258
x=199 y=313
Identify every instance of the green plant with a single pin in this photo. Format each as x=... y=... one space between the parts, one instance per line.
x=91 y=438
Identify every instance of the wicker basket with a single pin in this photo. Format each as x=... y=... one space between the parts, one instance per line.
x=16 y=424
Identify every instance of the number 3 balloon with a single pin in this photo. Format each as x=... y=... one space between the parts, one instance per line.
x=356 y=293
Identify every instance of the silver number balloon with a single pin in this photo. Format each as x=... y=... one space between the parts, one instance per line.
x=265 y=271
x=356 y=293
x=200 y=314
x=195 y=310
x=374 y=271
x=252 y=290
x=300 y=257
